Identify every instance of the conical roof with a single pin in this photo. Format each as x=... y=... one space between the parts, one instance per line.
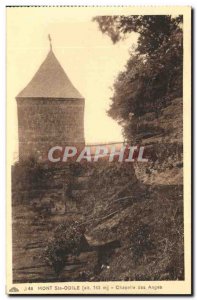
x=50 y=81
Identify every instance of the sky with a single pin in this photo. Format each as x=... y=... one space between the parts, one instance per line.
x=89 y=58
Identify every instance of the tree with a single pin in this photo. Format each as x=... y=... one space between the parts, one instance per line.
x=153 y=74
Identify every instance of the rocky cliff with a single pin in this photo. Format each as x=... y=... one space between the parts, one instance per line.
x=162 y=136
x=131 y=231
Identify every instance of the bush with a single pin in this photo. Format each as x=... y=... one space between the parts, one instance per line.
x=68 y=240
x=141 y=241
x=26 y=175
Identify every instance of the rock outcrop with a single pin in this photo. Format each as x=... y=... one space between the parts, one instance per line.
x=164 y=145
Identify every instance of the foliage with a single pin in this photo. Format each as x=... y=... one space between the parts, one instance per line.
x=67 y=240
x=141 y=241
x=153 y=73
x=26 y=174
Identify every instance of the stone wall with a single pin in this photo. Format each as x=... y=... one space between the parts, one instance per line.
x=44 y=123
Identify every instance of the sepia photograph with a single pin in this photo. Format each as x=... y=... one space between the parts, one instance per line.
x=98 y=150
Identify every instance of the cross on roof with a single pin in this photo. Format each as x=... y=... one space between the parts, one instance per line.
x=50 y=41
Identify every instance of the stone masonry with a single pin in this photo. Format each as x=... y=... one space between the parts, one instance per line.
x=50 y=112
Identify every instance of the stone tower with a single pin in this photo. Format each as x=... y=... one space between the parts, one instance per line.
x=50 y=112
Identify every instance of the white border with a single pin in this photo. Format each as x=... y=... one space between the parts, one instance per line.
x=3 y=94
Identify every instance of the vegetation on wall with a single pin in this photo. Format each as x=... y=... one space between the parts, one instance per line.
x=68 y=239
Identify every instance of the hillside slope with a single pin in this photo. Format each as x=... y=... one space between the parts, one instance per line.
x=162 y=136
